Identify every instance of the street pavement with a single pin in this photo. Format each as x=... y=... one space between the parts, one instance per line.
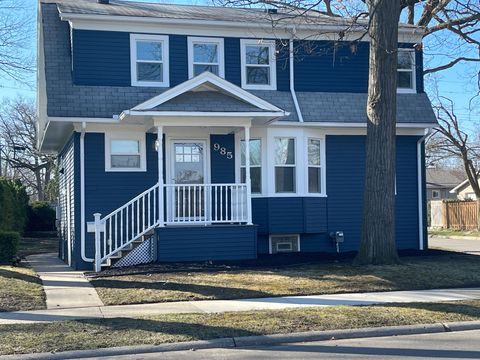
x=452 y=345
x=458 y=244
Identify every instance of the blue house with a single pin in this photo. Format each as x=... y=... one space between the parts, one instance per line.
x=193 y=133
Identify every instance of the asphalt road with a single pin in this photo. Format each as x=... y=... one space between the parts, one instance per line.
x=454 y=345
x=470 y=246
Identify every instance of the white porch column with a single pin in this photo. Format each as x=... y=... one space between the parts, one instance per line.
x=247 y=175
x=161 y=209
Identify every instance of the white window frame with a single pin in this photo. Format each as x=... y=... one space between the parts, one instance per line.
x=206 y=40
x=323 y=177
x=270 y=246
x=253 y=166
x=438 y=194
x=273 y=64
x=275 y=165
x=413 y=89
x=134 y=38
x=140 y=137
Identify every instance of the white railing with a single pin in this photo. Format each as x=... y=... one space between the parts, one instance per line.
x=206 y=203
x=120 y=228
x=185 y=204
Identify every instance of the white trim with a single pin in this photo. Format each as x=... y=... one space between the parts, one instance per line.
x=267 y=114
x=191 y=40
x=270 y=247
x=454 y=190
x=322 y=166
x=327 y=124
x=413 y=89
x=292 y=82
x=272 y=63
x=122 y=135
x=420 y=190
x=208 y=78
x=82 y=195
x=134 y=38
x=227 y=28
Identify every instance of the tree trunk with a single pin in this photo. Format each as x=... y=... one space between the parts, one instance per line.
x=377 y=245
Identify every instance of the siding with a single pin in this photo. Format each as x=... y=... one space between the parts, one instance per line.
x=106 y=191
x=66 y=199
x=200 y=243
x=222 y=168
x=345 y=179
x=103 y=58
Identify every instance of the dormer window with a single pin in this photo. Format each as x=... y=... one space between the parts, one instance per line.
x=406 y=71
x=205 y=54
x=149 y=60
x=258 y=64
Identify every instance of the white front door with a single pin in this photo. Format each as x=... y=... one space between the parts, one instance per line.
x=188 y=170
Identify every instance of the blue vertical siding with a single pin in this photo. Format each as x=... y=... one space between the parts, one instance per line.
x=232 y=61
x=201 y=243
x=178 y=54
x=283 y=65
x=331 y=67
x=101 y=58
x=106 y=191
x=222 y=168
x=345 y=179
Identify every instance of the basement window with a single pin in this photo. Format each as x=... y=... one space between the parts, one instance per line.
x=284 y=243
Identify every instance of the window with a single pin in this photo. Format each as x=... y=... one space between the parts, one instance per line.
x=285 y=165
x=124 y=153
x=314 y=166
x=149 y=60
x=435 y=194
x=284 y=243
x=258 y=65
x=406 y=70
x=255 y=164
x=205 y=54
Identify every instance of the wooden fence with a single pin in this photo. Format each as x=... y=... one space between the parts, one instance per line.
x=459 y=215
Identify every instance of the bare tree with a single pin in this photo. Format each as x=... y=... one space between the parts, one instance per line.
x=455 y=141
x=19 y=137
x=16 y=34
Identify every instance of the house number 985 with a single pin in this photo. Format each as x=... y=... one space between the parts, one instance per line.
x=223 y=151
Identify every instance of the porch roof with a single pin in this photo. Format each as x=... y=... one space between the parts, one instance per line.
x=204 y=96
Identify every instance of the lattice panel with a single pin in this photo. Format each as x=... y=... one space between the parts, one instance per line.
x=143 y=254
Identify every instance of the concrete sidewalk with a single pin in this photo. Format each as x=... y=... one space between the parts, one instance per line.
x=63 y=287
x=218 y=306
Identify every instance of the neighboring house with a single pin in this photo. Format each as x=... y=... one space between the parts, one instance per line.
x=161 y=113
x=440 y=182
x=464 y=191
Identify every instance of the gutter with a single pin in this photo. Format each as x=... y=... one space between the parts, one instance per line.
x=82 y=194
x=292 y=82
x=420 y=189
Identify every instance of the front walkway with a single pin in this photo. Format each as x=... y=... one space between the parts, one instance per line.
x=468 y=245
x=63 y=287
x=218 y=306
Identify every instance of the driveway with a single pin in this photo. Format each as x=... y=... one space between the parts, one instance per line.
x=469 y=245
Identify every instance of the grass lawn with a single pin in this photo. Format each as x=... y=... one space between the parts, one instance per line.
x=91 y=334
x=20 y=289
x=37 y=245
x=422 y=272
x=451 y=232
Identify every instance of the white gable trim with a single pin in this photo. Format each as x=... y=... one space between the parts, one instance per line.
x=205 y=78
x=456 y=188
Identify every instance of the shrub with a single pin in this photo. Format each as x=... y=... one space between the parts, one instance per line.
x=9 y=241
x=13 y=205
x=41 y=217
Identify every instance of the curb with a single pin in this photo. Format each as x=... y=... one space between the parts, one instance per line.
x=262 y=340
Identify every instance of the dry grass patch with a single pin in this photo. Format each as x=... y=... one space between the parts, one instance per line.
x=92 y=334
x=37 y=245
x=20 y=289
x=415 y=273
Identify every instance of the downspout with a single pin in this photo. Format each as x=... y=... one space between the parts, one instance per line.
x=292 y=83
x=82 y=194
x=420 y=189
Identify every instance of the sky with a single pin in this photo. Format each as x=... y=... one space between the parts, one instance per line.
x=459 y=83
